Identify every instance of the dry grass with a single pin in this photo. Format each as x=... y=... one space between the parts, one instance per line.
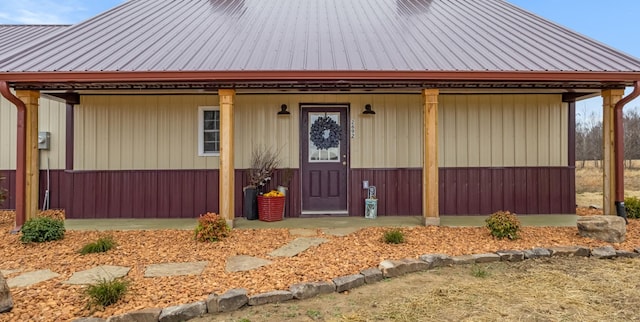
x=560 y=290
x=550 y=289
x=589 y=183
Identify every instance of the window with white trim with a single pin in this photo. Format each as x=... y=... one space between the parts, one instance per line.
x=209 y=131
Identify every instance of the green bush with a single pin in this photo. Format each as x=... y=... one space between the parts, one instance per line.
x=394 y=236
x=101 y=245
x=105 y=292
x=503 y=224
x=211 y=227
x=632 y=207
x=42 y=229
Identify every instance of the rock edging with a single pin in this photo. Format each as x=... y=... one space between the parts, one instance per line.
x=237 y=298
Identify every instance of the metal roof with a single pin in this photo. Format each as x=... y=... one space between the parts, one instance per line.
x=12 y=37
x=318 y=36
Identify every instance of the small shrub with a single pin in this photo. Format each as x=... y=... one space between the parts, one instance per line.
x=479 y=272
x=503 y=224
x=42 y=229
x=101 y=245
x=632 y=207
x=105 y=292
x=211 y=227
x=394 y=236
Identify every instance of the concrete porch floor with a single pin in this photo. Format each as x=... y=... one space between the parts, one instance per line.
x=319 y=222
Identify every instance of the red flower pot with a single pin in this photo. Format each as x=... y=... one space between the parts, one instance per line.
x=270 y=208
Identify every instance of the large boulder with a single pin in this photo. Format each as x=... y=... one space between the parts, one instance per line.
x=611 y=229
x=6 y=302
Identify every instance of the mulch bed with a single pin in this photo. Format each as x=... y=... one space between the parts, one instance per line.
x=53 y=300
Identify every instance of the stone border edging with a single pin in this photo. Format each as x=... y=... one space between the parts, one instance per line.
x=237 y=298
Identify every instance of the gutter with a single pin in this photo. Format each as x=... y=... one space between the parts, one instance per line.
x=313 y=75
x=619 y=153
x=21 y=164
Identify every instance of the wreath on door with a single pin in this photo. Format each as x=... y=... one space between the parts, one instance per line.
x=325 y=133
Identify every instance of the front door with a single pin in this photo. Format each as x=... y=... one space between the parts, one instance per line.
x=324 y=151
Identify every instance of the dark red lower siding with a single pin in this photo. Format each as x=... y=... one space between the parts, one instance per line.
x=523 y=190
x=399 y=191
x=140 y=193
x=188 y=193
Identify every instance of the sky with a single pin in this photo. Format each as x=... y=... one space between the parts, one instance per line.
x=612 y=22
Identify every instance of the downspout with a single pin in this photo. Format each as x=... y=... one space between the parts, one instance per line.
x=21 y=154
x=619 y=154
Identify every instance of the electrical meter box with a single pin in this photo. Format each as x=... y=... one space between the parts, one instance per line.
x=44 y=140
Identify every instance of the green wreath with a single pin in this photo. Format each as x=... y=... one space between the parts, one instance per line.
x=318 y=130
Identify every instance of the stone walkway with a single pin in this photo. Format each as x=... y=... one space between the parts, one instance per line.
x=108 y=272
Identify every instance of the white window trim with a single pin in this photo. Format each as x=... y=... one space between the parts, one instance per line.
x=201 y=111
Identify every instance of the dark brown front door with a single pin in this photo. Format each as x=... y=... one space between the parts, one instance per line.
x=324 y=154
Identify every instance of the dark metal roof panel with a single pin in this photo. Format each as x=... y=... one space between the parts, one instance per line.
x=14 y=38
x=312 y=35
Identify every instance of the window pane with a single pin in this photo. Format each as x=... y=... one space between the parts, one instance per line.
x=322 y=133
x=210 y=125
x=210 y=147
x=212 y=136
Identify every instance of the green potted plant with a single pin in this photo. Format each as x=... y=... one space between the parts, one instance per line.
x=263 y=162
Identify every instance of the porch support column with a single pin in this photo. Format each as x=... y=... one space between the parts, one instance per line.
x=227 y=171
x=609 y=99
x=32 y=171
x=430 y=210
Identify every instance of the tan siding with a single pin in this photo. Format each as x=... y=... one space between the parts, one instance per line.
x=391 y=138
x=139 y=132
x=503 y=130
x=508 y=130
x=8 y=117
x=52 y=118
x=473 y=147
x=160 y=132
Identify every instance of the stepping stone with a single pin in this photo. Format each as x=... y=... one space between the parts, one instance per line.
x=297 y=246
x=244 y=263
x=30 y=278
x=98 y=274
x=175 y=269
x=6 y=272
x=303 y=232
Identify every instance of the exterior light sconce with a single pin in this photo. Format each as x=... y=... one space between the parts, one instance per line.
x=283 y=110
x=368 y=110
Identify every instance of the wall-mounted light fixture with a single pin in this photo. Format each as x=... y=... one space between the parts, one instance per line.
x=368 y=110
x=283 y=110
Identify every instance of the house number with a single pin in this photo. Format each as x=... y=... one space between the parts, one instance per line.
x=353 y=129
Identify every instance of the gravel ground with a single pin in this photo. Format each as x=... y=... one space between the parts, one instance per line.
x=54 y=301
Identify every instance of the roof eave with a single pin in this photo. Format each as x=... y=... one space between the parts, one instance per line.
x=182 y=76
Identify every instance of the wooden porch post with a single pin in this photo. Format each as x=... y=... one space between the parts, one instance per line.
x=32 y=171
x=430 y=210
x=609 y=99
x=227 y=171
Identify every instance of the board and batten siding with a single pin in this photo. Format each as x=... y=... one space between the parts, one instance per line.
x=51 y=118
x=145 y=132
x=382 y=140
x=139 y=132
x=503 y=131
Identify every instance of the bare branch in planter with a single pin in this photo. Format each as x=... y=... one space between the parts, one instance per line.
x=263 y=162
